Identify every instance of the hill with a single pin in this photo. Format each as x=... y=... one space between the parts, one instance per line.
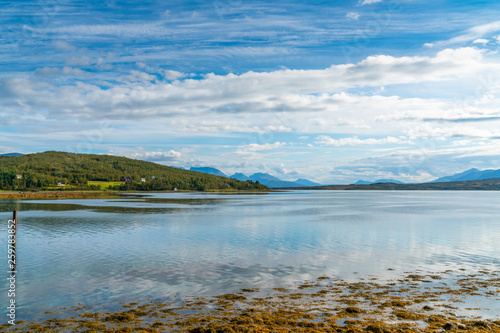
x=210 y=171
x=240 y=176
x=46 y=170
x=471 y=174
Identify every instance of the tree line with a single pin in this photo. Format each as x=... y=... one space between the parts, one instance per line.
x=49 y=169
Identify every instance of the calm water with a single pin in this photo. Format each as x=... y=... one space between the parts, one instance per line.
x=181 y=244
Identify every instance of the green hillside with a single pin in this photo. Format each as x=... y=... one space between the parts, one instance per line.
x=46 y=170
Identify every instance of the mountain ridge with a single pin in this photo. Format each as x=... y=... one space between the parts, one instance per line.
x=471 y=174
x=208 y=170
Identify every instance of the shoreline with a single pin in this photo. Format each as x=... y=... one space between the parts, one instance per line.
x=60 y=195
x=413 y=302
x=100 y=194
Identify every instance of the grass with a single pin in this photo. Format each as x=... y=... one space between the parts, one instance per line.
x=105 y=185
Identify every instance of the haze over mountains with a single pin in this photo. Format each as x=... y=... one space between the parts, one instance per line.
x=271 y=181
x=211 y=171
x=471 y=174
x=263 y=178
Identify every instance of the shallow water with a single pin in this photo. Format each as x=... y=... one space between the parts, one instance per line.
x=100 y=251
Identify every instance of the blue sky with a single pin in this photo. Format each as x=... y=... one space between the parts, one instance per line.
x=329 y=91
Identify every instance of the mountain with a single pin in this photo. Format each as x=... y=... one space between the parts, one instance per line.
x=210 y=171
x=271 y=181
x=11 y=154
x=306 y=182
x=379 y=181
x=471 y=174
x=240 y=176
x=46 y=170
x=490 y=184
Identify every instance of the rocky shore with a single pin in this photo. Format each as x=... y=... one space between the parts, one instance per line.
x=448 y=301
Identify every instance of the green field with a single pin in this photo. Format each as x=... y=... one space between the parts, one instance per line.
x=104 y=185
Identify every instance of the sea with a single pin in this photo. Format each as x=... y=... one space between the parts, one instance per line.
x=166 y=246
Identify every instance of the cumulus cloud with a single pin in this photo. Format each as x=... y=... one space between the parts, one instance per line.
x=173 y=75
x=142 y=154
x=251 y=92
x=136 y=76
x=481 y=41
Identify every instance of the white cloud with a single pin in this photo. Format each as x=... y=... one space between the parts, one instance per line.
x=250 y=92
x=355 y=141
x=369 y=2
x=63 y=46
x=136 y=76
x=52 y=71
x=452 y=132
x=142 y=154
x=119 y=30
x=352 y=15
x=472 y=34
x=173 y=75
x=81 y=60
x=481 y=41
x=264 y=146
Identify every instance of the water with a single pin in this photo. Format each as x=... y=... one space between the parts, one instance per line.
x=102 y=251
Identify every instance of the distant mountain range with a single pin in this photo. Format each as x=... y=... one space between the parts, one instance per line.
x=271 y=181
x=471 y=174
x=364 y=182
x=263 y=178
x=11 y=154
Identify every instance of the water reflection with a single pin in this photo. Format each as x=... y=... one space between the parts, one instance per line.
x=161 y=245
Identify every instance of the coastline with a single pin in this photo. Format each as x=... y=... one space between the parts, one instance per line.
x=103 y=194
x=60 y=195
x=414 y=302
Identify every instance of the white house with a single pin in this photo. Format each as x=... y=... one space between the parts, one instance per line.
x=143 y=180
x=19 y=176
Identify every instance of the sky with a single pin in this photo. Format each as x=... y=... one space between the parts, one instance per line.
x=331 y=91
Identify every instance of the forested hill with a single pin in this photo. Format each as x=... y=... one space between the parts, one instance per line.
x=48 y=169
